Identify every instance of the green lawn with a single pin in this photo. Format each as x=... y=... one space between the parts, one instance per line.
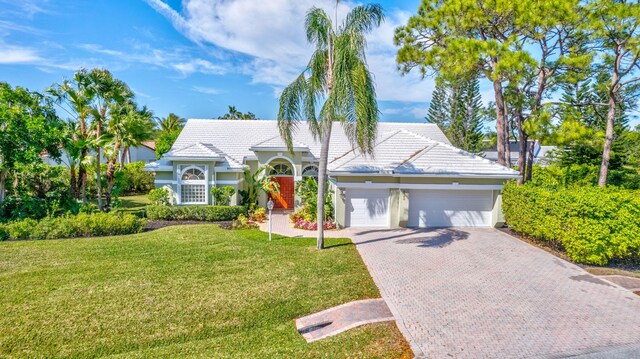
x=185 y=291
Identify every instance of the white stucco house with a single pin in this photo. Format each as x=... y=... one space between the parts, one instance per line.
x=415 y=178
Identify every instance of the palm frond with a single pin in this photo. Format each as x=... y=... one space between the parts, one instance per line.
x=363 y=19
x=292 y=108
x=318 y=26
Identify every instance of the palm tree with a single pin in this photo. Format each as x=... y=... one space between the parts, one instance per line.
x=171 y=123
x=108 y=91
x=338 y=74
x=75 y=98
x=137 y=128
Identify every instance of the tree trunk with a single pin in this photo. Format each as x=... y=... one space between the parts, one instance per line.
x=322 y=183
x=531 y=149
x=500 y=122
x=608 y=138
x=73 y=182
x=123 y=157
x=522 y=152
x=3 y=178
x=110 y=174
x=82 y=177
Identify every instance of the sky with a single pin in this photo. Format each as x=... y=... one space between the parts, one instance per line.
x=193 y=57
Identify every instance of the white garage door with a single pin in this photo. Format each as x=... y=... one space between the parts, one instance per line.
x=367 y=208
x=450 y=208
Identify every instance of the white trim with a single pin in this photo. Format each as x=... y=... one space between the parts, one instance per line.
x=281 y=156
x=226 y=182
x=228 y=169
x=426 y=175
x=361 y=185
x=278 y=148
x=158 y=169
x=165 y=182
x=202 y=159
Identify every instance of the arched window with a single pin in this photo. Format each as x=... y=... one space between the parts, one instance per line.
x=193 y=186
x=310 y=171
x=193 y=174
x=281 y=169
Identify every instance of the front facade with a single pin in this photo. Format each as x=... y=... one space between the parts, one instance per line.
x=414 y=178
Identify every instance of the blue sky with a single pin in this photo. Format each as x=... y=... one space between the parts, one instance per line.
x=191 y=57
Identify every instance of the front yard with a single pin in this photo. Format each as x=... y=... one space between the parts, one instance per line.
x=189 y=291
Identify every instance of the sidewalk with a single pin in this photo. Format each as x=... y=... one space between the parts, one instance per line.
x=283 y=226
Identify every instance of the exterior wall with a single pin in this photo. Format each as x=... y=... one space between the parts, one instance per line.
x=170 y=180
x=399 y=197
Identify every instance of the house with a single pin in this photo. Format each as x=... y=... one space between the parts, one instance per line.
x=146 y=153
x=541 y=154
x=415 y=177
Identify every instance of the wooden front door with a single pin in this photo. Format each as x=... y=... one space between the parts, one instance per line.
x=284 y=199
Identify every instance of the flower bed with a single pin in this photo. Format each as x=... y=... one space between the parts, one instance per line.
x=312 y=226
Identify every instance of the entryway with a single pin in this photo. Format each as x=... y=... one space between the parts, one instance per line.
x=283 y=174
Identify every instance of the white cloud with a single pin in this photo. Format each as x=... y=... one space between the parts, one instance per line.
x=178 y=59
x=207 y=90
x=17 y=55
x=271 y=33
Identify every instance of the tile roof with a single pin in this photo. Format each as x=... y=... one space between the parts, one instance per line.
x=401 y=148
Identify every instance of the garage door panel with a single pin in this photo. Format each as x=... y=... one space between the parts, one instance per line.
x=367 y=208
x=450 y=208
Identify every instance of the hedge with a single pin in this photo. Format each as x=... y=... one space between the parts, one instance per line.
x=594 y=225
x=195 y=213
x=69 y=226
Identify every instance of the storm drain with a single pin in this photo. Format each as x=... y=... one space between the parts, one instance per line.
x=342 y=318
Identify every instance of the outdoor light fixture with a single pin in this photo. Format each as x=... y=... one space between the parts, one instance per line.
x=270 y=207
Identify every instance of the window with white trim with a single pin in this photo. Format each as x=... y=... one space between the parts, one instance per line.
x=310 y=171
x=281 y=169
x=193 y=186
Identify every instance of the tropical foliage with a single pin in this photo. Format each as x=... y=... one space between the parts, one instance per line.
x=234 y=114
x=338 y=74
x=256 y=183
x=195 y=213
x=592 y=224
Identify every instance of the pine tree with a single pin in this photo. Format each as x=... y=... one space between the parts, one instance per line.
x=457 y=109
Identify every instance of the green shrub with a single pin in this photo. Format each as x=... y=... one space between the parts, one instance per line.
x=222 y=195
x=82 y=225
x=195 y=213
x=593 y=224
x=160 y=197
x=133 y=180
x=4 y=234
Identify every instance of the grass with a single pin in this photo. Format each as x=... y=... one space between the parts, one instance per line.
x=183 y=291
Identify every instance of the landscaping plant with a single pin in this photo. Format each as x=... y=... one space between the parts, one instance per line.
x=593 y=225
x=195 y=213
x=222 y=195
x=305 y=216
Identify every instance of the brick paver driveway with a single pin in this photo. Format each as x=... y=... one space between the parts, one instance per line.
x=480 y=293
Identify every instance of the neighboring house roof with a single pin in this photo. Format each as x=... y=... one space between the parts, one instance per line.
x=514 y=148
x=400 y=148
x=149 y=144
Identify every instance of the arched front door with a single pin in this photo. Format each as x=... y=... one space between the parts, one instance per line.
x=283 y=174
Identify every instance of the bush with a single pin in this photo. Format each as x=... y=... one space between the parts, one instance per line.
x=258 y=215
x=593 y=224
x=4 y=234
x=160 y=197
x=133 y=180
x=195 y=213
x=69 y=226
x=222 y=195
x=243 y=223
x=312 y=226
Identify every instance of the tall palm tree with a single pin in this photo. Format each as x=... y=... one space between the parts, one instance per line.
x=337 y=74
x=108 y=92
x=75 y=98
x=171 y=123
